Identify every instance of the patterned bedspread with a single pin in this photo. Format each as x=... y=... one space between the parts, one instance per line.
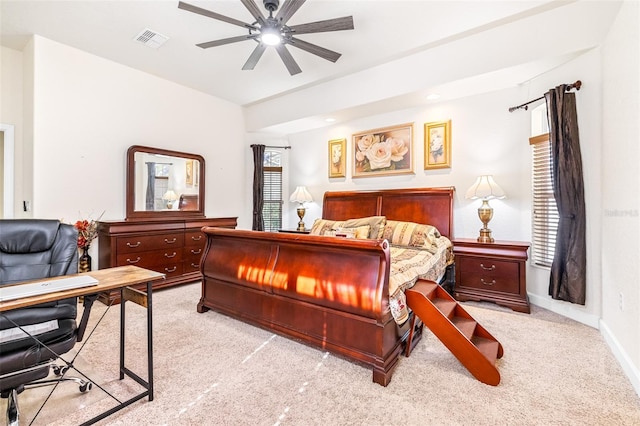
x=408 y=264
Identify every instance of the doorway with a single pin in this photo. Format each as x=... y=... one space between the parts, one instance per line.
x=7 y=144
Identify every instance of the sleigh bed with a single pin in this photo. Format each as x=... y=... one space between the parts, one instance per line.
x=331 y=291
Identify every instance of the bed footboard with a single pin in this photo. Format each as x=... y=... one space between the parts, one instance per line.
x=328 y=292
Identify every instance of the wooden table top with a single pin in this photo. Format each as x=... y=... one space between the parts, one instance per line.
x=108 y=279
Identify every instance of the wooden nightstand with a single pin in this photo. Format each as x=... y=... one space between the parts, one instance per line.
x=494 y=272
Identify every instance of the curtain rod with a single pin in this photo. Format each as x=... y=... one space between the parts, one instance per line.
x=272 y=146
x=524 y=106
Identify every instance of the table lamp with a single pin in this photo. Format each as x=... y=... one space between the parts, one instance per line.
x=485 y=188
x=301 y=196
x=170 y=197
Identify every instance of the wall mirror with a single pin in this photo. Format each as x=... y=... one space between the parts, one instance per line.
x=163 y=184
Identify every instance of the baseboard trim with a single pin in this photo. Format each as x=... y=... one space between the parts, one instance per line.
x=621 y=355
x=565 y=309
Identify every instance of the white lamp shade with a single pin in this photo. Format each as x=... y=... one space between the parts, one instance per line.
x=300 y=195
x=170 y=196
x=485 y=188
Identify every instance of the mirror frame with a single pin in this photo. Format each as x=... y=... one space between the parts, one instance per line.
x=133 y=214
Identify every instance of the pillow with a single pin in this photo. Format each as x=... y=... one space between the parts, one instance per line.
x=361 y=232
x=321 y=226
x=376 y=224
x=410 y=234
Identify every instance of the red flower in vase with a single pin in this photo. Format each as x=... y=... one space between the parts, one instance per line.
x=87 y=232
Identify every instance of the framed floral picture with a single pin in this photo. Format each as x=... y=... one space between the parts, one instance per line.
x=385 y=151
x=337 y=158
x=437 y=145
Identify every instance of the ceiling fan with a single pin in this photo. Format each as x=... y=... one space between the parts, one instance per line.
x=274 y=31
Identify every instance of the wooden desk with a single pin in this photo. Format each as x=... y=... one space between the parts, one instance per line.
x=109 y=279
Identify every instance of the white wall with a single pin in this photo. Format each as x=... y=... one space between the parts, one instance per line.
x=87 y=111
x=483 y=134
x=11 y=113
x=620 y=249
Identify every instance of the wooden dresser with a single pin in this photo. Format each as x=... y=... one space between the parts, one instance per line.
x=173 y=247
x=495 y=272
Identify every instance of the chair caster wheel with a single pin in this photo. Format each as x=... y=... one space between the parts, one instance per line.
x=59 y=371
x=86 y=387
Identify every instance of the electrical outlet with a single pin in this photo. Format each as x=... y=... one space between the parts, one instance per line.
x=621 y=301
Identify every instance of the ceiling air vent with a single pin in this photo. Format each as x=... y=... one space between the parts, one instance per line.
x=151 y=38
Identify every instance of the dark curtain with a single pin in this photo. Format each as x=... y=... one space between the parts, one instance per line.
x=258 y=186
x=151 y=179
x=568 y=270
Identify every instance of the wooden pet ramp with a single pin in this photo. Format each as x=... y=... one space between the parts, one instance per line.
x=474 y=346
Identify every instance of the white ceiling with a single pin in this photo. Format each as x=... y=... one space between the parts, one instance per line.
x=412 y=47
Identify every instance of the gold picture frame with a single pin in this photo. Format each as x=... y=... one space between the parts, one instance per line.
x=337 y=158
x=437 y=145
x=384 y=151
x=189 y=172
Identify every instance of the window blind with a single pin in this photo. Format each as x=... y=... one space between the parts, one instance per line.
x=272 y=209
x=545 y=213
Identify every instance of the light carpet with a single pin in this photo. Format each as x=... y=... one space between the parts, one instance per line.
x=214 y=370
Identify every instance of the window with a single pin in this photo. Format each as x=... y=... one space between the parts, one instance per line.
x=545 y=213
x=272 y=209
x=160 y=184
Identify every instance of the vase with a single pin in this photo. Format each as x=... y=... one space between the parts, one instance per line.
x=84 y=261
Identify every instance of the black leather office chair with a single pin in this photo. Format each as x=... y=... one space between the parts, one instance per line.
x=32 y=249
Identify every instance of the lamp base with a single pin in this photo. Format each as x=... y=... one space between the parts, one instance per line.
x=301 y=211
x=485 y=236
x=485 y=213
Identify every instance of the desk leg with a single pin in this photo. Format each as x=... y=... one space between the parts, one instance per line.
x=146 y=301
x=150 y=338
x=123 y=302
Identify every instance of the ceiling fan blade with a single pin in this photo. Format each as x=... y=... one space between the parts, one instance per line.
x=288 y=60
x=288 y=9
x=255 y=57
x=224 y=41
x=210 y=14
x=336 y=24
x=327 y=54
x=253 y=9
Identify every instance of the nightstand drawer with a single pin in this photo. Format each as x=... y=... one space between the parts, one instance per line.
x=490 y=282
x=482 y=266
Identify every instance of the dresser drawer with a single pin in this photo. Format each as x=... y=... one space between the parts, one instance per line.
x=136 y=244
x=192 y=256
x=147 y=259
x=194 y=239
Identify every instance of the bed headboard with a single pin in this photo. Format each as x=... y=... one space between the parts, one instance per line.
x=432 y=206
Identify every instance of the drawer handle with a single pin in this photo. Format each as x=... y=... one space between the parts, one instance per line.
x=169 y=256
x=196 y=252
x=133 y=245
x=171 y=270
x=197 y=239
x=486 y=283
x=133 y=261
x=193 y=265
x=487 y=269
x=172 y=241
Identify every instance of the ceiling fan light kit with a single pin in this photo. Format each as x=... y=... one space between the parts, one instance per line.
x=273 y=31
